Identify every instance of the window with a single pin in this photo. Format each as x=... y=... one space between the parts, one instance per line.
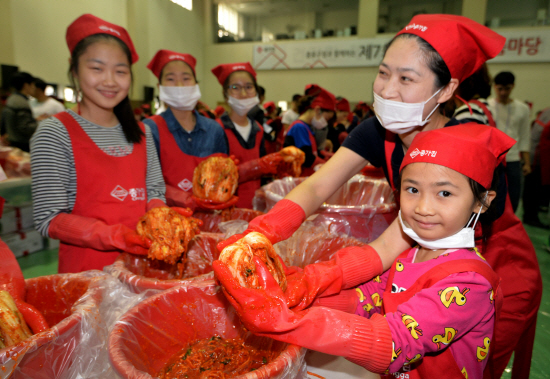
x=508 y=13
x=187 y=4
x=394 y=15
x=245 y=20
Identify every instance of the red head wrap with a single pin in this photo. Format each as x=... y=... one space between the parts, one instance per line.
x=87 y=25
x=223 y=71
x=472 y=149
x=162 y=57
x=322 y=98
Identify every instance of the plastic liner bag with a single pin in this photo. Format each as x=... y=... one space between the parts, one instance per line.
x=362 y=208
x=141 y=273
x=80 y=308
x=212 y=219
x=147 y=336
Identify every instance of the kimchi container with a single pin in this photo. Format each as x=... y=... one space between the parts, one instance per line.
x=69 y=303
x=148 y=335
x=362 y=208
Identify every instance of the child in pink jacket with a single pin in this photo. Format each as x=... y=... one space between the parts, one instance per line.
x=439 y=300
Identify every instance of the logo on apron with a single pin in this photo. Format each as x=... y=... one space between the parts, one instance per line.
x=185 y=184
x=119 y=193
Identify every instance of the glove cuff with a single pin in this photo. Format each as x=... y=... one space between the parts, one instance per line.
x=371 y=344
x=345 y=301
x=280 y=222
x=359 y=264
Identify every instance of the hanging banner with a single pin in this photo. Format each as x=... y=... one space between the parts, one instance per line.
x=521 y=46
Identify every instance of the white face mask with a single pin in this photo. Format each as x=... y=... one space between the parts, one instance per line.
x=319 y=123
x=180 y=98
x=401 y=117
x=465 y=238
x=242 y=106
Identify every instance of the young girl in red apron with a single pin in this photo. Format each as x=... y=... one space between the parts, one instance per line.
x=445 y=49
x=244 y=135
x=439 y=299
x=95 y=171
x=316 y=107
x=183 y=137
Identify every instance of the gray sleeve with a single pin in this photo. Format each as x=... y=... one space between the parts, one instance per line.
x=154 y=180
x=52 y=163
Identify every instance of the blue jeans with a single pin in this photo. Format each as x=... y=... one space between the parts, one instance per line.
x=514 y=176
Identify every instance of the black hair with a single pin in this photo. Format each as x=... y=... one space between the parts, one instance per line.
x=476 y=85
x=304 y=103
x=226 y=83
x=505 y=78
x=261 y=91
x=19 y=79
x=123 y=110
x=296 y=97
x=40 y=84
x=193 y=71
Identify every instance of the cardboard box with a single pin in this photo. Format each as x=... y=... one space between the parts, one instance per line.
x=25 y=242
x=16 y=218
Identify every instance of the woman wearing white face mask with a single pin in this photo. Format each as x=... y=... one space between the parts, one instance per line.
x=316 y=107
x=420 y=71
x=244 y=135
x=182 y=136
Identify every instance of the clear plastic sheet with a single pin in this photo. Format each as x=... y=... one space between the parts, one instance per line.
x=80 y=308
x=143 y=340
x=141 y=273
x=362 y=208
x=212 y=219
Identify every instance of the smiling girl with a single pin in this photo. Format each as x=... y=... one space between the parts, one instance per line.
x=439 y=299
x=95 y=171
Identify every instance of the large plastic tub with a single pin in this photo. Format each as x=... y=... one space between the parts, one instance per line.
x=141 y=273
x=212 y=219
x=143 y=340
x=362 y=208
x=69 y=303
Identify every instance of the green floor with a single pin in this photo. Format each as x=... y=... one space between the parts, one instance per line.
x=45 y=263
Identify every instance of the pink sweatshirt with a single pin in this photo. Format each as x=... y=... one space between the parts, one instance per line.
x=458 y=310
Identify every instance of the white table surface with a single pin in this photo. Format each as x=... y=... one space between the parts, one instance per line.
x=333 y=367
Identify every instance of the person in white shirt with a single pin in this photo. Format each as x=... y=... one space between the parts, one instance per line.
x=291 y=114
x=43 y=106
x=512 y=117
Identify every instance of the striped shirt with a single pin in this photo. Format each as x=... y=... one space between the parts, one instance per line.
x=463 y=113
x=53 y=168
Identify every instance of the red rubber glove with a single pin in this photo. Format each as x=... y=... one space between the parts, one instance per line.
x=92 y=233
x=179 y=198
x=264 y=312
x=211 y=205
x=256 y=168
x=350 y=267
x=277 y=225
x=157 y=203
x=12 y=281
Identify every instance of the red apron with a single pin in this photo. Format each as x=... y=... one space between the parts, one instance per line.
x=511 y=254
x=308 y=171
x=275 y=146
x=177 y=167
x=110 y=189
x=246 y=190
x=431 y=366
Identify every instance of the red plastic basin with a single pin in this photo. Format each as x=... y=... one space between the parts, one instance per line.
x=141 y=273
x=144 y=339
x=46 y=355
